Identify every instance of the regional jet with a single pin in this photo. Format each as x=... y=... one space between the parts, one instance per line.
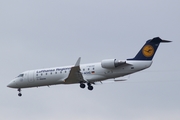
x=88 y=74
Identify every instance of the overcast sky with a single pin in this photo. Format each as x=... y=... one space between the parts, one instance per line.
x=48 y=33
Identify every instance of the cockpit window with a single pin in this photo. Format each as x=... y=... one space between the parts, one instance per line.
x=21 y=75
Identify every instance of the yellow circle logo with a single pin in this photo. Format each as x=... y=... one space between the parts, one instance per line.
x=148 y=50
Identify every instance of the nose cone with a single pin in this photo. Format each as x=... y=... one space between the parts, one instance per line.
x=12 y=84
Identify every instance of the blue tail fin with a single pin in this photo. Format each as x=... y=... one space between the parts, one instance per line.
x=148 y=51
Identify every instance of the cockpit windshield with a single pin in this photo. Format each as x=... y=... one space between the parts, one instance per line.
x=21 y=75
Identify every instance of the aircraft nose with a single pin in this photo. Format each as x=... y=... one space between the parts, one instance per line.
x=11 y=84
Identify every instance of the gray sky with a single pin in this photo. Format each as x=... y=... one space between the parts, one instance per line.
x=43 y=33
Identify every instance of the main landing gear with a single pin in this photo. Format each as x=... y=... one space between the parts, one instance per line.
x=19 y=94
x=90 y=87
x=82 y=85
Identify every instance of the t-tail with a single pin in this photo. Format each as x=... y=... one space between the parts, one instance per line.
x=148 y=51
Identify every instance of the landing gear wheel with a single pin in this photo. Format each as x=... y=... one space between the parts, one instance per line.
x=19 y=94
x=89 y=84
x=90 y=87
x=82 y=85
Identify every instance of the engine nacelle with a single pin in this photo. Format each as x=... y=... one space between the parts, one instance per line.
x=109 y=63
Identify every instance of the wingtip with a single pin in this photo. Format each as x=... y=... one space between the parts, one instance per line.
x=78 y=61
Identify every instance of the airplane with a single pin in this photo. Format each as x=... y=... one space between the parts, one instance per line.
x=88 y=74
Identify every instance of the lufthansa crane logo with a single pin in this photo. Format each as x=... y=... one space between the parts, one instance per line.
x=148 y=51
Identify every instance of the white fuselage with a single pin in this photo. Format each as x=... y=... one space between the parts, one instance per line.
x=91 y=72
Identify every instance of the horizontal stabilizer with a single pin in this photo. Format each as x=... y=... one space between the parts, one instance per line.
x=165 y=41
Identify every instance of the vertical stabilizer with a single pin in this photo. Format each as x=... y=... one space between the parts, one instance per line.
x=148 y=51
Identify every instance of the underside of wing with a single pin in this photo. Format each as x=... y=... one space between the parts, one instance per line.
x=120 y=79
x=75 y=76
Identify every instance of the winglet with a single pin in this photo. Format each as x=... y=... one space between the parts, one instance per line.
x=78 y=61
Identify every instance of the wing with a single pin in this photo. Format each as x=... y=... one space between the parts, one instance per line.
x=120 y=79
x=75 y=75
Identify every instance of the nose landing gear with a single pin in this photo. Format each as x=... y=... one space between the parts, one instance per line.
x=19 y=94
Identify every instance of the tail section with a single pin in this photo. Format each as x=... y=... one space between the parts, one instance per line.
x=148 y=51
